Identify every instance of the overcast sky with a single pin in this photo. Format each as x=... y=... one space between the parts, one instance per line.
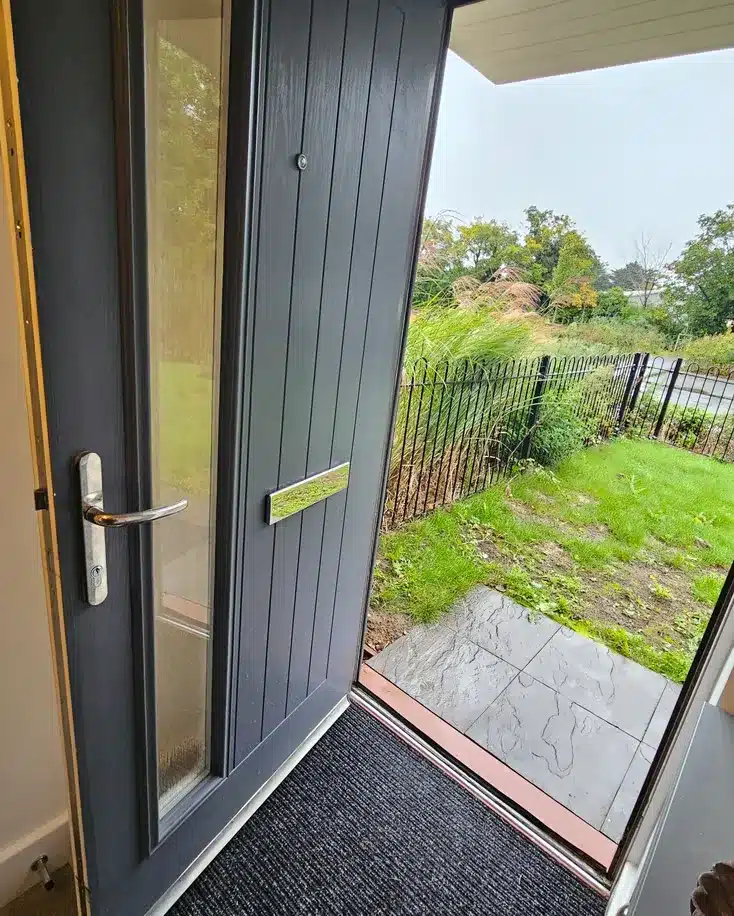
x=641 y=148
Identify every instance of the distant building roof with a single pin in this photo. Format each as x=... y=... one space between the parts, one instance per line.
x=650 y=298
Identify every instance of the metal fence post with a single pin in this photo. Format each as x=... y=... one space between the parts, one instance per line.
x=535 y=404
x=668 y=394
x=628 y=390
x=638 y=384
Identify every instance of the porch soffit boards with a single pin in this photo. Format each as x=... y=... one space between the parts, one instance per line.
x=513 y=40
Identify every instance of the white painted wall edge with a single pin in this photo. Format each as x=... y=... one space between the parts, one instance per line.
x=245 y=813
x=722 y=680
x=51 y=839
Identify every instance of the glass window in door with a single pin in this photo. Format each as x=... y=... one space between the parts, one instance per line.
x=186 y=50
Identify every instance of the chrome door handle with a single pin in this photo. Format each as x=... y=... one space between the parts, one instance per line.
x=95 y=520
x=98 y=516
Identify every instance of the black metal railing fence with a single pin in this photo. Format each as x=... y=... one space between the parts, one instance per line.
x=461 y=426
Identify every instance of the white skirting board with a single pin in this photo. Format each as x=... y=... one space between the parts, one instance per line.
x=51 y=839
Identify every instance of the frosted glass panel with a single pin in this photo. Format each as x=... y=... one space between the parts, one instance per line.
x=184 y=117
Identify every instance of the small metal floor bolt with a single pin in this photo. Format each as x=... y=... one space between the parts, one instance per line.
x=39 y=865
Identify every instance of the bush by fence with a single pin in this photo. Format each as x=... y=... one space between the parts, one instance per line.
x=463 y=425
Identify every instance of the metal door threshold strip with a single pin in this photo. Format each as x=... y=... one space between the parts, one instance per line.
x=580 y=868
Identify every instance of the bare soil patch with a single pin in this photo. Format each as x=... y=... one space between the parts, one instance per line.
x=556 y=555
x=649 y=598
x=488 y=550
x=384 y=627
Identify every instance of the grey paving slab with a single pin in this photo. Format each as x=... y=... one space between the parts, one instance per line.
x=618 y=690
x=654 y=734
x=624 y=800
x=445 y=671
x=573 y=755
x=501 y=625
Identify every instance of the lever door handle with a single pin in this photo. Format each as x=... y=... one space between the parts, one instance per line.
x=98 y=516
x=95 y=520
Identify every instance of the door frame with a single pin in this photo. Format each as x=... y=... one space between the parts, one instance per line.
x=12 y=163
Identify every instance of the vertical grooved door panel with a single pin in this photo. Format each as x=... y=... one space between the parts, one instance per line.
x=319 y=132
x=349 y=84
x=284 y=102
x=383 y=87
x=421 y=47
x=354 y=86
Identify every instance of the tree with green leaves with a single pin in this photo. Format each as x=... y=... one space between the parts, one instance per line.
x=484 y=247
x=546 y=235
x=543 y=241
x=613 y=303
x=438 y=242
x=631 y=276
x=570 y=290
x=702 y=294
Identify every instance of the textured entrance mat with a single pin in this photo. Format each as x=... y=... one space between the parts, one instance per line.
x=365 y=826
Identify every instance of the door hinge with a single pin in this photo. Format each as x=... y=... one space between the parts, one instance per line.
x=40 y=499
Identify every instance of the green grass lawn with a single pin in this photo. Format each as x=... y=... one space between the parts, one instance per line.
x=626 y=542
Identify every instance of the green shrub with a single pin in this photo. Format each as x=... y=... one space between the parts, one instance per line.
x=609 y=335
x=716 y=350
x=684 y=426
x=573 y=418
x=612 y=303
x=560 y=431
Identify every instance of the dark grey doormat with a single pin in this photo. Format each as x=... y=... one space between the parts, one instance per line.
x=366 y=826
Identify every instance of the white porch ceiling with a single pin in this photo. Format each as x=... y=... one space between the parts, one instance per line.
x=513 y=40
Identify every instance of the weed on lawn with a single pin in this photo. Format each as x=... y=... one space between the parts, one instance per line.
x=626 y=542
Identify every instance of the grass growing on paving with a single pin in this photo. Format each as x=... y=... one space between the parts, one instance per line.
x=626 y=542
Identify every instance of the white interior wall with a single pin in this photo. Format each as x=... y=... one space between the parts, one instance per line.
x=33 y=801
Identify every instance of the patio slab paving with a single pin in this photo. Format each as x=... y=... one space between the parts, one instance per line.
x=579 y=721
x=609 y=685
x=502 y=626
x=555 y=743
x=452 y=676
x=654 y=733
x=624 y=800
